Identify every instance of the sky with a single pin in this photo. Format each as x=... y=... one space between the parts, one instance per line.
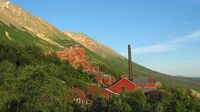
x=164 y=34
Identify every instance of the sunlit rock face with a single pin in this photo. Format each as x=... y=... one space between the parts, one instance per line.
x=15 y=15
x=93 y=45
x=5 y=3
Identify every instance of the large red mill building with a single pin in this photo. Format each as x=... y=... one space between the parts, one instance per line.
x=76 y=56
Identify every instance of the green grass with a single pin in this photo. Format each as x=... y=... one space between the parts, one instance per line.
x=22 y=37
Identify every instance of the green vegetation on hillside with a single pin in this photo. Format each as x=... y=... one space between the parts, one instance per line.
x=30 y=81
x=22 y=37
x=33 y=82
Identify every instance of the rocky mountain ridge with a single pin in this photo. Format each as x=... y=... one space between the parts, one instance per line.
x=92 y=44
x=12 y=14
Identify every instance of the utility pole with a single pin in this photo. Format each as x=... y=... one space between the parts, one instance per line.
x=130 y=71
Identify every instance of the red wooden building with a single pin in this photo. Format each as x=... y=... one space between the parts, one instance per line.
x=123 y=85
x=77 y=57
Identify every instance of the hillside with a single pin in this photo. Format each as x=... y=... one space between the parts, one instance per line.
x=115 y=60
x=12 y=14
x=20 y=26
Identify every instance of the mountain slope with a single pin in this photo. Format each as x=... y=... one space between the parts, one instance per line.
x=93 y=45
x=116 y=62
x=12 y=14
x=18 y=25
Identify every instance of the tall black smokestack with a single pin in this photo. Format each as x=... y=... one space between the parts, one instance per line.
x=130 y=63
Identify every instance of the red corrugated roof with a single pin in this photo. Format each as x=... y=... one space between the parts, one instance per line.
x=122 y=84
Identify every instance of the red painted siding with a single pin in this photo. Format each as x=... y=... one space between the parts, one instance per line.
x=123 y=84
x=77 y=57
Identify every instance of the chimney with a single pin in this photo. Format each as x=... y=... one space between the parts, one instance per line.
x=130 y=63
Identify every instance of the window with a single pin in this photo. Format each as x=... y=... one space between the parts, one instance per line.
x=77 y=100
x=88 y=101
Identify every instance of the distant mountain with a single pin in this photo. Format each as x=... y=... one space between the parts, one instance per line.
x=197 y=79
x=18 y=25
